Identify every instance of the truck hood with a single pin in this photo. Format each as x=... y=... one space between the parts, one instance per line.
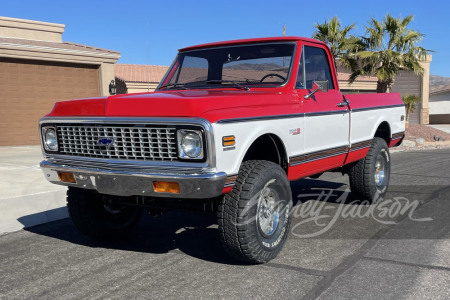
x=209 y=104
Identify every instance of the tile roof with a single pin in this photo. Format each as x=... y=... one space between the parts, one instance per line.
x=55 y=45
x=437 y=89
x=344 y=74
x=140 y=73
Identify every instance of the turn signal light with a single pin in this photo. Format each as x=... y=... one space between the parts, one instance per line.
x=166 y=187
x=228 y=140
x=66 y=177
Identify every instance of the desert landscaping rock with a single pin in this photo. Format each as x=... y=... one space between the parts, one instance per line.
x=437 y=138
x=426 y=132
x=423 y=137
x=420 y=141
x=409 y=144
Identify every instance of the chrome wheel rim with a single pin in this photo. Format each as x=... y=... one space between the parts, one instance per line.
x=268 y=211
x=379 y=170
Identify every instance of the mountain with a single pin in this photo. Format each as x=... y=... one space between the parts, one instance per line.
x=259 y=67
x=439 y=80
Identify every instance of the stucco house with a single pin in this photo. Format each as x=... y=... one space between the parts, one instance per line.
x=439 y=103
x=38 y=68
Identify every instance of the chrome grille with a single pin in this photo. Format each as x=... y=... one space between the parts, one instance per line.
x=118 y=142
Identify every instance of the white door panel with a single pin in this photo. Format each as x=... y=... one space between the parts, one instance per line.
x=326 y=131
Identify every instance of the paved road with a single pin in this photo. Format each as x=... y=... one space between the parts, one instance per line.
x=398 y=249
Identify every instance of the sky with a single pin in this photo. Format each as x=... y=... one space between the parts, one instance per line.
x=151 y=32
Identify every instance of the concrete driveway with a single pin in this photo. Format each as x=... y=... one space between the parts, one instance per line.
x=26 y=198
x=443 y=127
x=397 y=249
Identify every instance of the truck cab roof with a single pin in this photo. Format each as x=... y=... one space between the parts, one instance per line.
x=252 y=41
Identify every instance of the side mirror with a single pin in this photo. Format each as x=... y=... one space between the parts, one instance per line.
x=318 y=86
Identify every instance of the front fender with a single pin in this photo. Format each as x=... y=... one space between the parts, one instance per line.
x=229 y=159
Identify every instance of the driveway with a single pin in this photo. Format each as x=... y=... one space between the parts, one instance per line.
x=443 y=127
x=26 y=198
x=338 y=249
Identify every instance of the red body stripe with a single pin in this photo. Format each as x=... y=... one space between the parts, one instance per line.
x=314 y=167
x=356 y=155
x=227 y=190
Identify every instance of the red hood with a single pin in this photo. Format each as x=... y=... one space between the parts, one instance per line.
x=209 y=104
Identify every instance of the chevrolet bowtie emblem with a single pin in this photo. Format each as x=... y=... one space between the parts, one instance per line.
x=105 y=142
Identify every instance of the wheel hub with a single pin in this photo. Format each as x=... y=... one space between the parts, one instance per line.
x=268 y=211
x=379 y=170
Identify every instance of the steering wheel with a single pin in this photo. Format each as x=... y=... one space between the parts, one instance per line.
x=272 y=75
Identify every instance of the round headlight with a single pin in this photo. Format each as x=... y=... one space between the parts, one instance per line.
x=192 y=144
x=50 y=140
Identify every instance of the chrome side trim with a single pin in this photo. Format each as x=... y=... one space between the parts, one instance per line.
x=376 y=107
x=262 y=118
x=231 y=180
x=361 y=145
x=398 y=135
x=326 y=113
x=280 y=117
x=317 y=155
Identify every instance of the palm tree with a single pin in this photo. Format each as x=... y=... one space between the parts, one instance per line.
x=410 y=104
x=341 y=43
x=389 y=46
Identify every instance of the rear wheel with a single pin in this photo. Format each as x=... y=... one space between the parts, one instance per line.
x=99 y=218
x=254 y=217
x=369 y=177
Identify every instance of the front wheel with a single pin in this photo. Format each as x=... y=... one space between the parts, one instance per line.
x=254 y=217
x=99 y=218
x=369 y=177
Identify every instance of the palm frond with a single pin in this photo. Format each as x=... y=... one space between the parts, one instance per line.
x=389 y=47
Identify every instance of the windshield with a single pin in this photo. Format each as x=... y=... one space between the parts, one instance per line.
x=243 y=66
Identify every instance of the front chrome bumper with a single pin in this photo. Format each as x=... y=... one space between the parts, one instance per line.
x=137 y=183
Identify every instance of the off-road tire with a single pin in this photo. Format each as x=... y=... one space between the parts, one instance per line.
x=89 y=213
x=363 y=184
x=240 y=226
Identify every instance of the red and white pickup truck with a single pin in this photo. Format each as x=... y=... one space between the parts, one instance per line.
x=229 y=126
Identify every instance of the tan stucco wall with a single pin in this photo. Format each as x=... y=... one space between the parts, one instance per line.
x=139 y=87
x=439 y=103
x=106 y=71
x=50 y=32
x=424 y=107
x=358 y=85
x=31 y=30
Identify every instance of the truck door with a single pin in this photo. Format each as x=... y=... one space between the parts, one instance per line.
x=327 y=118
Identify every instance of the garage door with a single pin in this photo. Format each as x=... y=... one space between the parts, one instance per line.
x=406 y=82
x=29 y=89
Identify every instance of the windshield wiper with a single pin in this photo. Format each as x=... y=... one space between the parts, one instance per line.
x=173 y=85
x=235 y=84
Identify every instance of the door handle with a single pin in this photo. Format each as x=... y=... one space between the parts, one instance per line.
x=342 y=104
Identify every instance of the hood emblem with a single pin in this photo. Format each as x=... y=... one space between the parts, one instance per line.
x=105 y=143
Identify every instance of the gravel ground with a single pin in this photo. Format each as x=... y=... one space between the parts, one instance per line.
x=426 y=132
x=416 y=131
